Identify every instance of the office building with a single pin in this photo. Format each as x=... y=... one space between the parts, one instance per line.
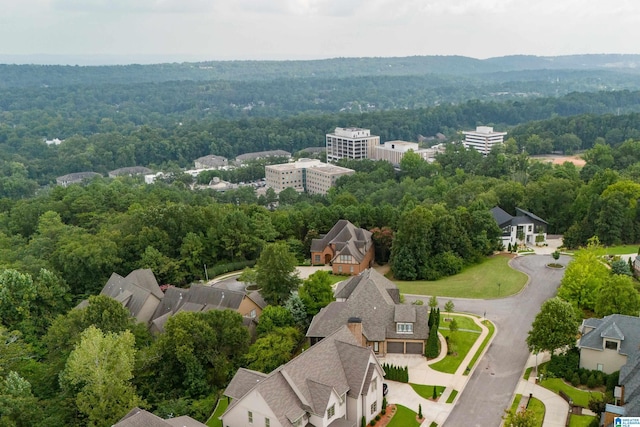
x=350 y=143
x=483 y=139
x=308 y=175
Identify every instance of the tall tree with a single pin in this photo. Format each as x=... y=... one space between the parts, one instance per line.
x=555 y=326
x=618 y=296
x=583 y=279
x=98 y=372
x=276 y=273
x=316 y=292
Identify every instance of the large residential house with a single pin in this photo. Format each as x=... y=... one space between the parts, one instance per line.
x=205 y=298
x=627 y=395
x=308 y=175
x=140 y=418
x=607 y=344
x=242 y=158
x=483 y=139
x=130 y=171
x=335 y=383
x=138 y=292
x=525 y=227
x=370 y=304
x=76 y=178
x=350 y=143
x=347 y=248
x=210 y=162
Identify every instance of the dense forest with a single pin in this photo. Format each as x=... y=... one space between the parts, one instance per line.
x=59 y=245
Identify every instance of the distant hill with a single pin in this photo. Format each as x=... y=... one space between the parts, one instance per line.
x=60 y=75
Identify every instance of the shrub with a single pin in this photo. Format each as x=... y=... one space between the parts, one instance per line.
x=612 y=380
x=591 y=381
x=434 y=395
x=420 y=409
x=377 y=417
x=575 y=380
x=372 y=423
x=584 y=377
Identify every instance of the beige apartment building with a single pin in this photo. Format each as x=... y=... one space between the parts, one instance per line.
x=350 y=143
x=310 y=175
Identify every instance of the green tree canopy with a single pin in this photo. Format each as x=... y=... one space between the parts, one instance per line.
x=555 y=326
x=618 y=296
x=98 y=373
x=276 y=273
x=316 y=292
x=583 y=279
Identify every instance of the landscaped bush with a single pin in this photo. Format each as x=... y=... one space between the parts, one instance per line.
x=566 y=366
x=372 y=423
x=219 y=269
x=396 y=373
x=575 y=380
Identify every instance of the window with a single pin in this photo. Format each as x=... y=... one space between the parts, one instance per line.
x=250 y=416
x=611 y=345
x=376 y=346
x=374 y=407
x=331 y=411
x=317 y=259
x=404 y=328
x=530 y=228
x=253 y=313
x=339 y=269
x=267 y=422
x=600 y=367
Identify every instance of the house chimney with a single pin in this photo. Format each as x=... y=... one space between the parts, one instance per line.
x=355 y=326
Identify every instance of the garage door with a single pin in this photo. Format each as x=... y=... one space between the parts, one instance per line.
x=395 y=347
x=414 y=348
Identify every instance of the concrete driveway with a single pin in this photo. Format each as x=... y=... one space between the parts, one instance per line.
x=492 y=384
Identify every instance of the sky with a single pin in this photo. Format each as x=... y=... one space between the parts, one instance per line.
x=143 y=31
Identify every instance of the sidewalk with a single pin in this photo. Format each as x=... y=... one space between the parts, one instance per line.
x=421 y=373
x=556 y=408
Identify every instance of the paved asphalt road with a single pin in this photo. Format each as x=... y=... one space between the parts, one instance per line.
x=491 y=386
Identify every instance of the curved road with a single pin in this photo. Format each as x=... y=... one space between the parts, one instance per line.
x=490 y=389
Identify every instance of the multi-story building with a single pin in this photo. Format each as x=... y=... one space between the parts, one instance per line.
x=350 y=143
x=483 y=139
x=308 y=175
x=394 y=151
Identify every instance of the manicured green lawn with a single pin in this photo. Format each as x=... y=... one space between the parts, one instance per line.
x=452 y=396
x=516 y=403
x=463 y=342
x=426 y=391
x=220 y=408
x=477 y=281
x=621 y=250
x=527 y=373
x=579 y=397
x=492 y=330
x=336 y=278
x=537 y=407
x=404 y=417
x=580 y=420
x=463 y=322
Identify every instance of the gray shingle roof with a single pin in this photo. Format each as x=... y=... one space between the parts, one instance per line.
x=261 y=154
x=243 y=381
x=133 y=170
x=501 y=216
x=140 y=418
x=335 y=364
x=522 y=212
x=134 y=290
x=196 y=298
x=371 y=300
x=615 y=326
x=184 y=421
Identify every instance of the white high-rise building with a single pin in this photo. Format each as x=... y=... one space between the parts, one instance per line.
x=350 y=143
x=483 y=139
x=394 y=151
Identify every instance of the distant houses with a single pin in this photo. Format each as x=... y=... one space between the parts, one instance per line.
x=130 y=171
x=210 y=162
x=76 y=178
x=347 y=248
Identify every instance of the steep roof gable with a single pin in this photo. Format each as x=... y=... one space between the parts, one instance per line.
x=334 y=365
x=615 y=326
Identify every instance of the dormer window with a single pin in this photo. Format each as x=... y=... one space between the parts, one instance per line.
x=404 y=328
x=611 y=345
